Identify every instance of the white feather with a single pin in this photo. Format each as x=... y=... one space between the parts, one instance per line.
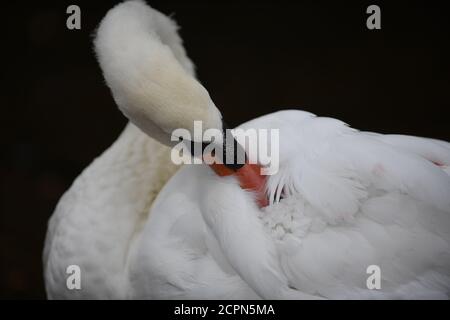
x=341 y=201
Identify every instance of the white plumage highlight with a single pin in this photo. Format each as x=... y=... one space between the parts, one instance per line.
x=341 y=201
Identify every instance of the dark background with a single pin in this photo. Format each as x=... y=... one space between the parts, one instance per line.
x=253 y=57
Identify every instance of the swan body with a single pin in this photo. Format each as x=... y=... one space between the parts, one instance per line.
x=342 y=200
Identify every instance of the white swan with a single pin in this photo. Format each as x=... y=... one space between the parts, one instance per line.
x=352 y=199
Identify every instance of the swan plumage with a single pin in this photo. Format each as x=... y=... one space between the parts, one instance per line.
x=342 y=200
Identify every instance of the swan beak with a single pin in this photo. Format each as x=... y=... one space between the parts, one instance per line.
x=248 y=175
x=249 y=178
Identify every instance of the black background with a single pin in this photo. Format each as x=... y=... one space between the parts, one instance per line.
x=253 y=57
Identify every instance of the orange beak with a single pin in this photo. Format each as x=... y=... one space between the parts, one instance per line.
x=249 y=178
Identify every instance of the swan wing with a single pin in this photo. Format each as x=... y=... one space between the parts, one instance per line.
x=354 y=199
x=342 y=201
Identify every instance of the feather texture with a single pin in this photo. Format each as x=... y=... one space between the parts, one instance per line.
x=341 y=201
x=351 y=203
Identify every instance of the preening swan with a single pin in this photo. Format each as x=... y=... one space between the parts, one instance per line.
x=342 y=200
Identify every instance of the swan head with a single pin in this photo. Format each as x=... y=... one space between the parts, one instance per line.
x=152 y=81
x=151 y=78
